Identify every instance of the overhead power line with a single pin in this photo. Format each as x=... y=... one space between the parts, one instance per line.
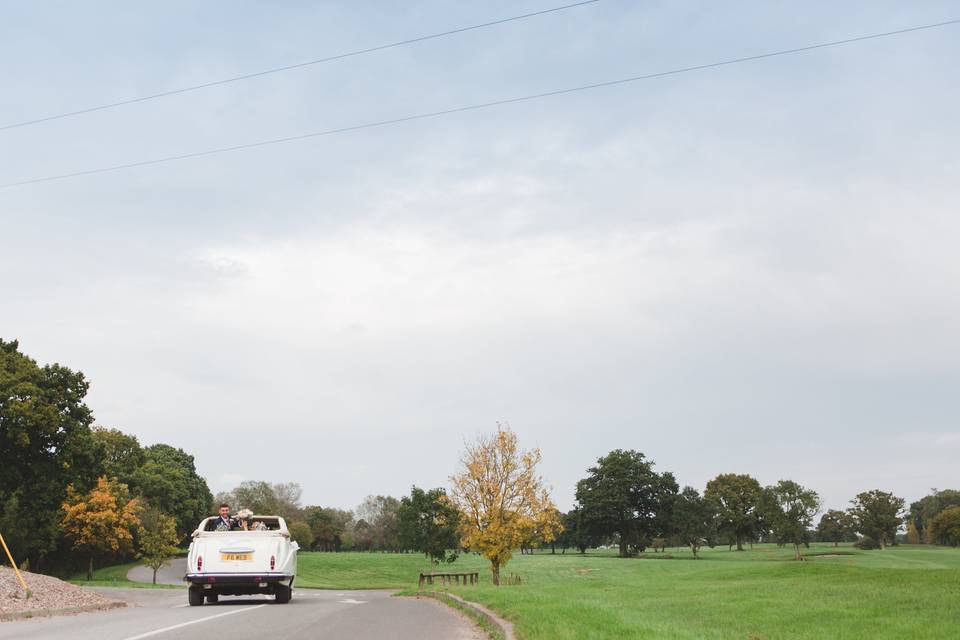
x=474 y=107
x=291 y=67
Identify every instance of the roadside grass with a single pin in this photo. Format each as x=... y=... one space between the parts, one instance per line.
x=115 y=576
x=839 y=592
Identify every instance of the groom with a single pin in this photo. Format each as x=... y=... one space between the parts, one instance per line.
x=223 y=519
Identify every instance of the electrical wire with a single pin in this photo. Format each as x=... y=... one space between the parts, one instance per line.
x=474 y=107
x=290 y=67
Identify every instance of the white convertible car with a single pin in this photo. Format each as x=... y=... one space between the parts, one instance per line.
x=241 y=562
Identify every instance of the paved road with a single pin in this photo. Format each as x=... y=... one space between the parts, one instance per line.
x=313 y=613
x=171 y=574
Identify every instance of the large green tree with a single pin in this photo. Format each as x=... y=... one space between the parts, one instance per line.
x=575 y=532
x=45 y=444
x=877 y=515
x=945 y=528
x=836 y=527
x=737 y=498
x=329 y=526
x=428 y=522
x=923 y=511
x=120 y=454
x=694 y=520
x=169 y=481
x=623 y=495
x=791 y=511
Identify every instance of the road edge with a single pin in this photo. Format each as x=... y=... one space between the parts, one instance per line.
x=51 y=613
x=492 y=624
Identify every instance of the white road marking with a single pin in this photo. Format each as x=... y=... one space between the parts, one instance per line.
x=155 y=632
x=351 y=601
x=180 y=606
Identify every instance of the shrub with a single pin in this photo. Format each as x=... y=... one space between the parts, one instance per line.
x=866 y=542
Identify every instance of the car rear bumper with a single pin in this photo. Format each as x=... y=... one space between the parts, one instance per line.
x=237 y=578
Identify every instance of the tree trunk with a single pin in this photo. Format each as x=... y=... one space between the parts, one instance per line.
x=883 y=542
x=155 y=575
x=90 y=568
x=495 y=570
x=836 y=544
x=796 y=551
x=739 y=543
x=623 y=546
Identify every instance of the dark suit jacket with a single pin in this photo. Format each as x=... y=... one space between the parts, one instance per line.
x=213 y=524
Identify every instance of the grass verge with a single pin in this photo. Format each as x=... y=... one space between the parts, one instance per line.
x=116 y=576
x=760 y=593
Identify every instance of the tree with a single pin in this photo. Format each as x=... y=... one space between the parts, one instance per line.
x=157 y=539
x=877 y=515
x=576 y=533
x=791 y=511
x=623 y=495
x=380 y=513
x=101 y=520
x=168 y=480
x=502 y=498
x=836 y=527
x=694 y=519
x=329 y=526
x=428 y=522
x=945 y=528
x=923 y=511
x=45 y=444
x=120 y=454
x=737 y=499
x=266 y=498
x=301 y=533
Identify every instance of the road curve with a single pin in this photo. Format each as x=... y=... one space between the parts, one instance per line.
x=171 y=573
x=313 y=613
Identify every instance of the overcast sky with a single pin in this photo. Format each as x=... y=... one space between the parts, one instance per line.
x=748 y=269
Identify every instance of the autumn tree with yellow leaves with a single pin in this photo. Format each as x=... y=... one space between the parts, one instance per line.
x=102 y=520
x=502 y=498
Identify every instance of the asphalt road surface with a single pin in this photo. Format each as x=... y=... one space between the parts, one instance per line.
x=313 y=613
x=171 y=573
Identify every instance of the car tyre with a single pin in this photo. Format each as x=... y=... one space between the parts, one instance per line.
x=194 y=597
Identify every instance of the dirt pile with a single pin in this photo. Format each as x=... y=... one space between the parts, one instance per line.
x=48 y=595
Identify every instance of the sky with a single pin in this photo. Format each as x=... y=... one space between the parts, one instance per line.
x=746 y=269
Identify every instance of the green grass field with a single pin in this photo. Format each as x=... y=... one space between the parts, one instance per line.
x=906 y=591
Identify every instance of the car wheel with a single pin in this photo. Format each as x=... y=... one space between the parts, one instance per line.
x=194 y=597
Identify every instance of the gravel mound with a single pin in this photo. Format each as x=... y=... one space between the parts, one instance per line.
x=48 y=595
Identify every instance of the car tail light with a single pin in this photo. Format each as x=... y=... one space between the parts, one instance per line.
x=273 y=562
x=199 y=563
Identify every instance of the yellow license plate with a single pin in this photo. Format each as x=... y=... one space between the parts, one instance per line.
x=228 y=557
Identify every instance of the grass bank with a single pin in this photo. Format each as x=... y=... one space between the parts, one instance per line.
x=906 y=591
x=115 y=576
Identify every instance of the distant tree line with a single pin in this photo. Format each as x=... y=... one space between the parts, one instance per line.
x=625 y=502
x=424 y=521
